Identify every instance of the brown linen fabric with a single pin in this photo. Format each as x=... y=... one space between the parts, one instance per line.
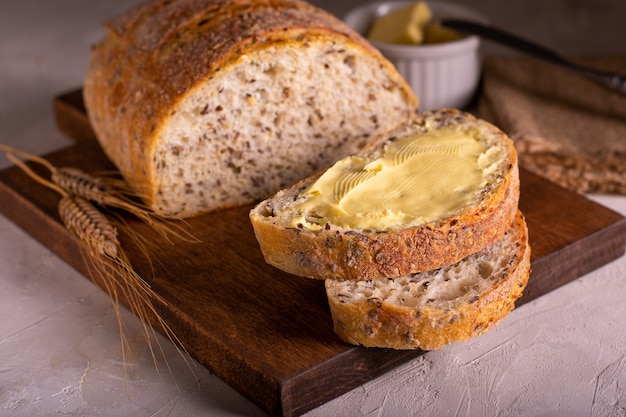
x=566 y=128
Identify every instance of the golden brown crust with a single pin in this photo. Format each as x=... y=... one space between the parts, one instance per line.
x=156 y=54
x=334 y=254
x=373 y=323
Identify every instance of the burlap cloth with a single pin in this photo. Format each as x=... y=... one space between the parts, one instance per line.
x=566 y=128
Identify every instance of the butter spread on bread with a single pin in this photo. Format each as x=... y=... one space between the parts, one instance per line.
x=204 y=105
x=419 y=178
x=349 y=251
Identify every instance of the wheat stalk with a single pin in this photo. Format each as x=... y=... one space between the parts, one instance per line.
x=104 y=256
x=105 y=191
x=108 y=262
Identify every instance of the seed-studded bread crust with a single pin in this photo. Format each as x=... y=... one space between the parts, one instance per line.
x=434 y=308
x=339 y=253
x=204 y=105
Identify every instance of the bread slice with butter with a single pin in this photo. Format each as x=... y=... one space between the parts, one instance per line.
x=432 y=309
x=426 y=195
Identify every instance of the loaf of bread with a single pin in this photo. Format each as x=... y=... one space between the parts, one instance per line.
x=431 y=309
x=308 y=242
x=204 y=105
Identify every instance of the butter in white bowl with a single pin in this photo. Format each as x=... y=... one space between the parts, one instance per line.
x=443 y=71
x=412 y=24
x=405 y=25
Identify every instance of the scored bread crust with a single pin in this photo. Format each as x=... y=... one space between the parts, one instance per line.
x=377 y=316
x=340 y=253
x=159 y=53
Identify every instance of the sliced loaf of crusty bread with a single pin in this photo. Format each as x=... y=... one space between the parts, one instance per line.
x=204 y=105
x=308 y=243
x=431 y=309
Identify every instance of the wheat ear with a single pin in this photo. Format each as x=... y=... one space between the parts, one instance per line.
x=105 y=257
x=104 y=191
x=107 y=261
x=91 y=227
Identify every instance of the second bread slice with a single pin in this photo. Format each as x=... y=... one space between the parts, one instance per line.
x=432 y=309
x=372 y=229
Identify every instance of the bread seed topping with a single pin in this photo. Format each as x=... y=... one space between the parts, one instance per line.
x=418 y=179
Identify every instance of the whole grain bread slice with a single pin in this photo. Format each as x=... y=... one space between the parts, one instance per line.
x=431 y=309
x=339 y=252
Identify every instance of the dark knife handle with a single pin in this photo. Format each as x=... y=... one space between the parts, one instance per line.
x=613 y=81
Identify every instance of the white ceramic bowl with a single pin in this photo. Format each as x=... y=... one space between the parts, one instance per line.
x=441 y=75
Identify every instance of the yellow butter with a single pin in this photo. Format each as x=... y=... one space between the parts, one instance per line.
x=418 y=179
x=402 y=26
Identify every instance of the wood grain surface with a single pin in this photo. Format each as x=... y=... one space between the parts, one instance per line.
x=266 y=333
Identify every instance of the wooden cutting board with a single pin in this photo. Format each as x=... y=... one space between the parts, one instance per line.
x=264 y=332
